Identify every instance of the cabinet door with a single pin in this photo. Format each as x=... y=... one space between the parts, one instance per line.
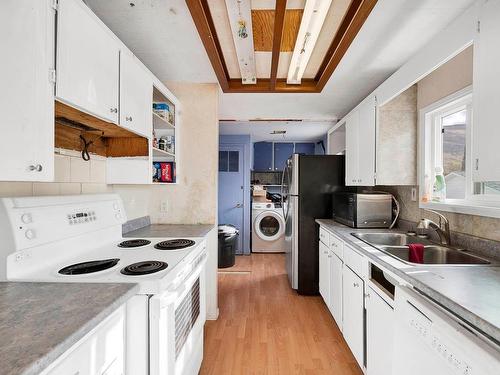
x=379 y=334
x=366 y=142
x=282 y=151
x=486 y=129
x=336 y=288
x=353 y=313
x=136 y=95
x=351 y=149
x=324 y=273
x=27 y=95
x=304 y=148
x=87 y=61
x=263 y=156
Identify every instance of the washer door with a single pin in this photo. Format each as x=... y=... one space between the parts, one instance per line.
x=269 y=226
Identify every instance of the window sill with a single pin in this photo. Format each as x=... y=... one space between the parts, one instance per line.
x=465 y=207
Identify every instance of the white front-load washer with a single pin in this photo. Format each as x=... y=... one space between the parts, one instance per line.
x=268 y=228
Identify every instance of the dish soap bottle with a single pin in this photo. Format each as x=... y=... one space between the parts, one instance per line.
x=439 y=187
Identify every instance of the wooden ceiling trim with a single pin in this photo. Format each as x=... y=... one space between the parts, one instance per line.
x=263 y=29
x=263 y=86
x=355 y=17
x=204 y=23
x=279 y=22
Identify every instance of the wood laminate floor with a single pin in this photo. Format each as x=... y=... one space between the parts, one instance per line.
x=265 y=327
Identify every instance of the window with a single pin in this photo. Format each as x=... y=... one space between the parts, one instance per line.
x=445 y=144
x=229 y=161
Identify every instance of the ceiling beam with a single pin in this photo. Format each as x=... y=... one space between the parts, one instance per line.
x=202 y=18
x=279 y=22
x=355 y=17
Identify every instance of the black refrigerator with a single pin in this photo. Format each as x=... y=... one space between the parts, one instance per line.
x=308 y=184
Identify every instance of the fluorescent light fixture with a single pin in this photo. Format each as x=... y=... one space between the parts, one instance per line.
x=314 y=15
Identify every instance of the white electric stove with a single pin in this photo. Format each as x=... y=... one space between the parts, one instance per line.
x=79 y=239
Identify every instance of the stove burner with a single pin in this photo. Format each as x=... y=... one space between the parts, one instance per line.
x=88 y=267
x=134 y=243
x=174 y=244
x=144 y=268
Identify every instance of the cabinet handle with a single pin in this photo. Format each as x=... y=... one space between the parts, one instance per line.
x=36 y=168
x=329 y=256
x=367 y=295
x=114 y=110
x=325 y=252
x=355 y=285
x=128 y=118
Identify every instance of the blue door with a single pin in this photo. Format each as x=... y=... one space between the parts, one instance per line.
x=263 y=156
x=231 y=191
x=282 y=151
x=304 y=148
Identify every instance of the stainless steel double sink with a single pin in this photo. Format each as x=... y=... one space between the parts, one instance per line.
x=395 y=245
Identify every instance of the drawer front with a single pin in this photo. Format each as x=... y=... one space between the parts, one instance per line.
x=324 y=236
x=337 y=246
x=353 y=260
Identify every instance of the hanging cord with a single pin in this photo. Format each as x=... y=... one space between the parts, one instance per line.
x=86 y=145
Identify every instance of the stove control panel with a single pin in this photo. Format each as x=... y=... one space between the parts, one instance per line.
x=82 y=217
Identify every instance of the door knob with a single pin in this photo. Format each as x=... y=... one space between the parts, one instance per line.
x=37 y=168
x=239 y=205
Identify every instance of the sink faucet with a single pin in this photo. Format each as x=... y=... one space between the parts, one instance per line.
x=442 y=229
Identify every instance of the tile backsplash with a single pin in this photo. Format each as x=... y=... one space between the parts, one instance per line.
x=73 y=175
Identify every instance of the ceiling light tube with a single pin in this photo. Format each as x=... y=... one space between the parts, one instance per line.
x=314 y=15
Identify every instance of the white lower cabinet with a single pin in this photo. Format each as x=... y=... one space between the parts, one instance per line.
x=335 y=274
x=101 y=352
x=379 y=334
x=353 y=313
x=324 y=272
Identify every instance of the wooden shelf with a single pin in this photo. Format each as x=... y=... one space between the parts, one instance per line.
x=161 y=123
x=161 y=153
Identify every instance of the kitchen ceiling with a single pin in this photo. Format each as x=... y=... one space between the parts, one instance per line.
x=163 y=35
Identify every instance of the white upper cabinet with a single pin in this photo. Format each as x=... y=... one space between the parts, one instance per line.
x=486 y=128
x=27 y=95
x=87 y=61
x=136 y=95
x=360 y=144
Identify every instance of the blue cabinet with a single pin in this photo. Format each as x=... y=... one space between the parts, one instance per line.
x=282 y=151
x=263 y=156
x=304 y=148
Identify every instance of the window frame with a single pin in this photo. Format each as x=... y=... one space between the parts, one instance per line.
x=473 y=204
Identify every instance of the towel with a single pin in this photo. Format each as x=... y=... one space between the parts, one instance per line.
x=416 y=253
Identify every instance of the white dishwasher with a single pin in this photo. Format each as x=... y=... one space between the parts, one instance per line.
x=429 y=340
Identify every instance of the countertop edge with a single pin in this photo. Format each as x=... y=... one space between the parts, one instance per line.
x=488 y=329
x=44 y=362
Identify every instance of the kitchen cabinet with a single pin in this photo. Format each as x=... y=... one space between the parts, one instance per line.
x=136 y=95
x=263 y=156
x=87 y=61
x=282 y=151
x=101 y=352
x=324 y=272
x=379 y=334
x=353 y=313
x=304 y=148
x=486 y=78
x=360 y=144
x=335 y=288
x=27 y=97
x=336 y=139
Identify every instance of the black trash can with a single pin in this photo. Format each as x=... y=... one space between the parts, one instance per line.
x=228 y=239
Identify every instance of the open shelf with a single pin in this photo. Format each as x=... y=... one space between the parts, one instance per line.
x=161 y=153
x=161 y=123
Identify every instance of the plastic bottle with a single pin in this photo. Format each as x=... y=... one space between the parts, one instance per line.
x=439 y=187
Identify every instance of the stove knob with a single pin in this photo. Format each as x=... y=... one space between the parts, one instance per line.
x=29 y=234
x=115 y=206
x=26 y=218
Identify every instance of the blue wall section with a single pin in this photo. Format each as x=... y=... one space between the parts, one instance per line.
x=244 y=140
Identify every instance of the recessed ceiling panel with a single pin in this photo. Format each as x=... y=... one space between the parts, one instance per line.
x=263 y=29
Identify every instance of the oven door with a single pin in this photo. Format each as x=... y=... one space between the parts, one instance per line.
x=176 y=320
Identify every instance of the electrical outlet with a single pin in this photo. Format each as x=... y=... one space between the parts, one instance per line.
x=164 y=206
x=414 y=194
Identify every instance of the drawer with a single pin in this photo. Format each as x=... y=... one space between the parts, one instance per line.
x=324 y=236
x=337 y=246
x=354 y=260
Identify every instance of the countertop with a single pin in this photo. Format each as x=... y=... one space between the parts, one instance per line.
x=171 y=230
x=471 y=293
x=40 y=321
